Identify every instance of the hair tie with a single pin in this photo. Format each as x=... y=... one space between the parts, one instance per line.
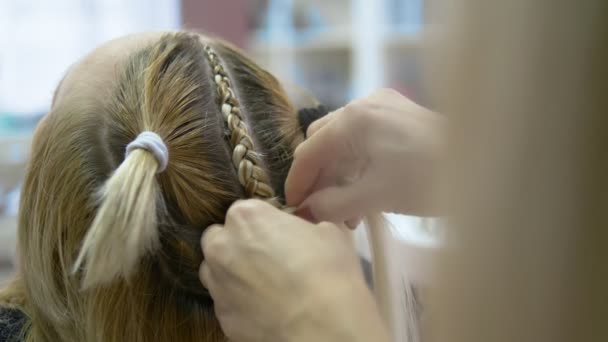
x=152 y=143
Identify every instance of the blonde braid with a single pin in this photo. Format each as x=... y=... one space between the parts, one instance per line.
x=247 y=162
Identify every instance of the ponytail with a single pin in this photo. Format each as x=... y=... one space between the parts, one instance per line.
x=125 y=228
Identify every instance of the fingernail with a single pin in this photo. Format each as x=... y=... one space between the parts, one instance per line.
x=305 y=213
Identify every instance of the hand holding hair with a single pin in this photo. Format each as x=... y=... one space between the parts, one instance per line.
x=276 y=277
x=375 y=154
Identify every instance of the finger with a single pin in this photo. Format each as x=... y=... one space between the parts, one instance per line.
x=317 y=124
x=254 y=204
x=340 y=230
x=337 y=204
x=310 y=158
x=210 y=234
x=211 y=242
x=209 y=280
x=245 y=212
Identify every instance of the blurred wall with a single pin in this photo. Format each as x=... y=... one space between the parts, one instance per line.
x=227 y=18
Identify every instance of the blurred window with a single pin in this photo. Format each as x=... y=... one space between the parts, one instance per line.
x=40 y=39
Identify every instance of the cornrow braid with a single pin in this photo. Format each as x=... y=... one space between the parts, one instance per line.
x=247 y=162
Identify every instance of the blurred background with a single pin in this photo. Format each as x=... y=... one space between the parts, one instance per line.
x=338 y=49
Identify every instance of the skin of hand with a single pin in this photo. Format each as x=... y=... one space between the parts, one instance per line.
x=276 y=277
x=375 y=154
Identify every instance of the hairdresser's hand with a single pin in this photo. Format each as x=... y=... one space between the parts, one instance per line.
x=375 y=154
x=276 y=277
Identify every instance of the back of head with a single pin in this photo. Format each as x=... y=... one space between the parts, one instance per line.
x=109 y=236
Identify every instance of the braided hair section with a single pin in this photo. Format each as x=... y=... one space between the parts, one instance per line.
x=246 y=161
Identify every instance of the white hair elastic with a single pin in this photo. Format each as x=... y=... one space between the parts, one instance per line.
x=154 y=144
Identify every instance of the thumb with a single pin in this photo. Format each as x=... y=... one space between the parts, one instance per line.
x=336 y=204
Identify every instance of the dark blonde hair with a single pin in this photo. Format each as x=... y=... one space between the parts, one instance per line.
x=138 y=275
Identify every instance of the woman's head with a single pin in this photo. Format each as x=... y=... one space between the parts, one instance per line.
x=110 y=245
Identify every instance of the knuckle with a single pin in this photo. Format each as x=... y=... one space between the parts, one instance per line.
x=359 y=118
x=297 y=153
x=209 y=234
x=359 y=111
x=214 y=243
x=353 y=117
x=387 y=92
x=204 y=276
x=322 y=212
x=240 y=209
x=245 y=209
x=212 y=249
x=311 y=128
x=326 y=225
x=352 y=107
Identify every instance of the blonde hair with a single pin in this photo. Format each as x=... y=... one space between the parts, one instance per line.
x=109 y=248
